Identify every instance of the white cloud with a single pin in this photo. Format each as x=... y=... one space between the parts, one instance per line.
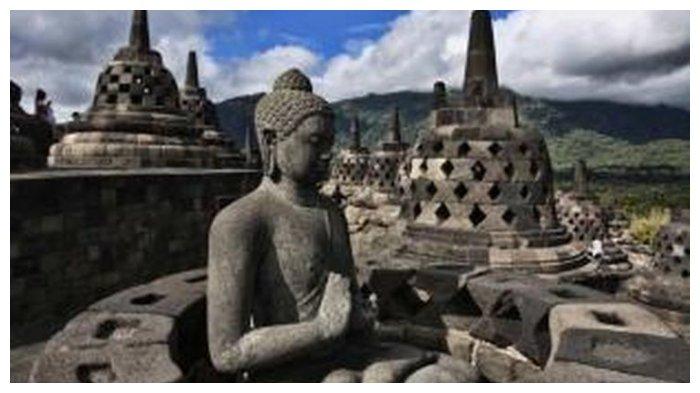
x=626 y=56
x=419 y=48
x=253 y=75
x=50 y=50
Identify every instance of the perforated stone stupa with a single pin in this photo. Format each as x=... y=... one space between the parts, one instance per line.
x=136 y=118
x=351 y=166
x=193 y=99
x=480 y=183
x=385 y=162
x=667 y=285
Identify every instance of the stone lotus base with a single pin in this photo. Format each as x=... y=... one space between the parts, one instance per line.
x=122 y=150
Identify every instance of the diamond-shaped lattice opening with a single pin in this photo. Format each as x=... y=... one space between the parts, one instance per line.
x=478 y=171
x=495 y=148
x=412 y=187
x=524 y=192
x=431 y=189
x=423 y=165
x=509 y=169
x=534 y=168
x=460 y=191
x=476 y=216
x=463 y=149
x=438 y=146
x=442 y=212
x=417 y=210
x=508 y=216
x=447 y=168
x=494 y=192
x=523 y=148
x=137 y=99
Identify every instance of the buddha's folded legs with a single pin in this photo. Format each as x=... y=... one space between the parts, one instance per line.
x=359 y=361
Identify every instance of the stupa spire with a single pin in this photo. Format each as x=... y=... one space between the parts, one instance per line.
x=355 y=133
x=139 y=37
x=395 y=126
x=480 y=75
x=192 y=79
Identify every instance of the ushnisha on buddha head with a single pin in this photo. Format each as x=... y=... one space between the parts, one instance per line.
x=295 y=131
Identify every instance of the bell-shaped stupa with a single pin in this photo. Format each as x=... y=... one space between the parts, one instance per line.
x=136 y=119
x=479 y=188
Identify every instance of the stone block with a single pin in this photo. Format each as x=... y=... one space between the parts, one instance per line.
x=618 y=336
x=169 y=296
x=501 y=364
x=515 y=310
x=53 y=223
x=151 y=363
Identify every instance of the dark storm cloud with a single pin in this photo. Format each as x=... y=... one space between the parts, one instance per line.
x=631 y=68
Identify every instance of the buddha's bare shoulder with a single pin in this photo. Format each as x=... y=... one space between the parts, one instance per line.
x=246 y=213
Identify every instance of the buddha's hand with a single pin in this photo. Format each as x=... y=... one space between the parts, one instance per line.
x=333 y=317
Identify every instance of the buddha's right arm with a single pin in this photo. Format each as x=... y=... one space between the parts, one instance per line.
x=268 y=346
x=233 y=253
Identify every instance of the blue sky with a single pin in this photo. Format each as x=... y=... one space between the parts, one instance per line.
x=327 y=33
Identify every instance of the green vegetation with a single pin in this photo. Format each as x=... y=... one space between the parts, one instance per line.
x=605 y=151
x=644 y=228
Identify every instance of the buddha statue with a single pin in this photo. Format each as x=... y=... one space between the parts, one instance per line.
x=283 y=301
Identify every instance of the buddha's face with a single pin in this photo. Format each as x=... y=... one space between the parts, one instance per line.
x=305 y=155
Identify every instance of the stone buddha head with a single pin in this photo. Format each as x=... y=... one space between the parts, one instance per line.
x=295 y=131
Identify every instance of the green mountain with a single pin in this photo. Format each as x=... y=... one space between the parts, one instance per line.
x=604 y=133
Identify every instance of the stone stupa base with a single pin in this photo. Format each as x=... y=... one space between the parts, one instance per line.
x=123 y=150
x=547 y=251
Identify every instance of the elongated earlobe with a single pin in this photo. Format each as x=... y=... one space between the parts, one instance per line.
x=272 y=171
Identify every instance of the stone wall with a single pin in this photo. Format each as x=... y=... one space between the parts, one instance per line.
x=80 y=235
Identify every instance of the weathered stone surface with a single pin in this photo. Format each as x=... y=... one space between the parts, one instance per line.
x=111 y=347
x=620 y=337
x=567 y=372
x=81 y=235
x=150 y=333
x=136 y=118
x=478 y=185
x=377 y=170
x=666 y=286
x=291 y=272
x=172 y=296
x=515 y=310
x=501 y=364
x=119 y=364
x=447 y=370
